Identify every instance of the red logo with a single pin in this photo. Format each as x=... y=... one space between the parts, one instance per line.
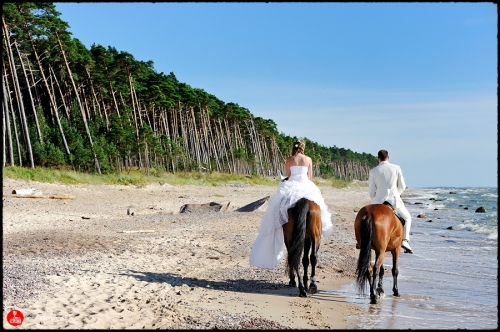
x=15 y=317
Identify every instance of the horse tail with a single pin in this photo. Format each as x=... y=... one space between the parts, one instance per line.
x=298 y=234
x=364 y=253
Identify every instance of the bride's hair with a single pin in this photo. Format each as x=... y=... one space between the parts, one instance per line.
x=298 y=147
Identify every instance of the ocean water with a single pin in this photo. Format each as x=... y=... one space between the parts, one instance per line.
x=451 y=279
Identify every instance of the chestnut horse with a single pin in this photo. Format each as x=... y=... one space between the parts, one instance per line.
x=377 y=228
x=302 y=235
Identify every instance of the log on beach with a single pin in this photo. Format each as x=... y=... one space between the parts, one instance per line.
x=208 y=207
x=39 y=196
x=30 y=191
x=34 y=193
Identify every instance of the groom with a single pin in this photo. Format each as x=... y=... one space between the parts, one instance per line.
x=386 y=183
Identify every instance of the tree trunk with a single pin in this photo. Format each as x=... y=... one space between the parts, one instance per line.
x=209 y=140
x=229 y=141
x=137 y=114
x=66 y=109
x=4 y=160
x=22 y=114
x=28 y=86
x=79 y=104
x=5 y=107
x=112 y=91
x=13 y=124
x=197 y=143
x=49 y=93
x=38 y=102
x=212 y=141
x=137 y=103
x=183 y=135
x=95 y=100
x=222 y=146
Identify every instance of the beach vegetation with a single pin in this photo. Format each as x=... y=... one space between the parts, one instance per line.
x=139 y=178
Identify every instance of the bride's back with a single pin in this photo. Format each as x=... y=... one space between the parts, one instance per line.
x=299 y=160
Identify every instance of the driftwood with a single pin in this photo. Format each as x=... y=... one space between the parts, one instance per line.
x=30 y=191
x=39 y=196
x=254 y=205
x=208 y=207
x=34 y=193
x=221 y=207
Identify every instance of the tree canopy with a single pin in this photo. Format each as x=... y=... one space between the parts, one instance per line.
x=101 y=110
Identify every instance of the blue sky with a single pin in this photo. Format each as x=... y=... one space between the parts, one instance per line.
x=416 y=79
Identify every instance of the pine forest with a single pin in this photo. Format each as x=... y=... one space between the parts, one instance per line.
x=99 y=110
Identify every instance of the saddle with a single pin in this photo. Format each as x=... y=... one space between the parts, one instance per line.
x=397 y=215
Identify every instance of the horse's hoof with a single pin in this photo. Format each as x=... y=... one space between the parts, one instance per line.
x=313 y=289
x=303 y=294
x=396 y=294
x=380 y=292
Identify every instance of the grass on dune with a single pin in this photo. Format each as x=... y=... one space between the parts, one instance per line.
x=142 y=177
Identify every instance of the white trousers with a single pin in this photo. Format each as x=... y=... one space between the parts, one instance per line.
x=403 y=212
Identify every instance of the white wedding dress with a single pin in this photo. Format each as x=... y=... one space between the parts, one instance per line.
x=268 y=249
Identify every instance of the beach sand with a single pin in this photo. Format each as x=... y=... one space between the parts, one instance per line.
x=74 y=263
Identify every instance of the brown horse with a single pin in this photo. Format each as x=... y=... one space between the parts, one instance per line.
x=302 y=234
x=377 y=228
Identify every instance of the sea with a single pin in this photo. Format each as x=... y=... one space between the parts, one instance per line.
x=451 y=279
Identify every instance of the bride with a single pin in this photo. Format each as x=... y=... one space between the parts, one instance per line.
x=268 y=249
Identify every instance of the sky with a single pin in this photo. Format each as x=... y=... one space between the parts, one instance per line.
x=417 y=79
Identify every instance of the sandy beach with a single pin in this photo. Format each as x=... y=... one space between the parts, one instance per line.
x=124 y=257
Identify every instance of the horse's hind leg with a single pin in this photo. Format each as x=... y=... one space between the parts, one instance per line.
x=373 y=281
x=395 y=272
x=374 y=295
x=313 y=288
x=302 y=291
x=369 y=275
x=305 y=262
x=291 y=274
x=380 y=288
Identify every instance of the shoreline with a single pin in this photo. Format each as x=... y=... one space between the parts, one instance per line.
x=78 y=267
